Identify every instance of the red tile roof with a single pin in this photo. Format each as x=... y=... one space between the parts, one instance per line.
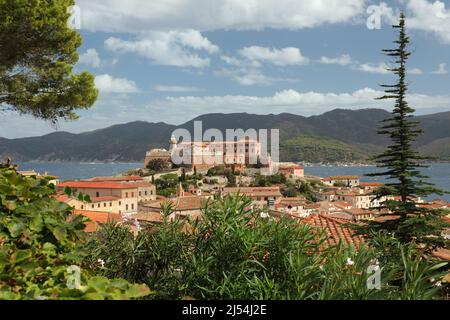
x=371 y=184
x=116 y=179
x=335 y=230
x=97 y=218
x=180 y=203
x=358 y=212
x=443 y=254
x=97 y=185
x=63 y=198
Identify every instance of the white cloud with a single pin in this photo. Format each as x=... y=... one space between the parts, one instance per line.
x=162 y=88
x=380 y=68
x=442 y=69
x=430 y=16
x=172 y=48
x=206 y=15
x=90 y=58
x=304 y=103
x=246 y=76
x=232 y=61
x=110 y=110
x=416 y=71
x=108 y=84
x=278 y=57
x=342 y=60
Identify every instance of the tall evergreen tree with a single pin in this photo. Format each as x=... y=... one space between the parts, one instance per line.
x=401 y=163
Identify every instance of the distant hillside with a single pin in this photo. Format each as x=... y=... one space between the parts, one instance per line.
x=338 y=135
x=319 y=149
x=439 y=148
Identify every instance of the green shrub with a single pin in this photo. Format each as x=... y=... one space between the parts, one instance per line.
x=235 y=252
x=40 y=247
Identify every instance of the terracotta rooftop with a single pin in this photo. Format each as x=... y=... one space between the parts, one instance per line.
x=295 y=202
x=443 y=254
x=116 y=179
x=432 y=206
x=358 y=212
x=97 y=218
x=335 y=230
x=341 y=216
x=97 y=185
x=180 y=203
x=63 y=198
x=149 y=217
x=371 y=184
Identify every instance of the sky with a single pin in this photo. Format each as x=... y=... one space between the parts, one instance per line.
x=172 y=60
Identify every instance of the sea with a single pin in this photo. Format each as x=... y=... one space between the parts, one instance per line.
x=438 y=173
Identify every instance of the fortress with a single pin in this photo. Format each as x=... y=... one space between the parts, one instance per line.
x=207 y=154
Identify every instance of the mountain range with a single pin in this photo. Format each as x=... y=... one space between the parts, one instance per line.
x=337 y=136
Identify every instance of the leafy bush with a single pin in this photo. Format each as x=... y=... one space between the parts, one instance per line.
x=235 y=252
x=40 y=247
x=157 y=165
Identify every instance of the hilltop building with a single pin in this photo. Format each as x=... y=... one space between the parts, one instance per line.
x=52 y=179
x=291 y=170
x=204 y=155
x=348 y=181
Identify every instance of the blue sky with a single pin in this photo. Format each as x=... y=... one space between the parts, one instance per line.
x=172 y=60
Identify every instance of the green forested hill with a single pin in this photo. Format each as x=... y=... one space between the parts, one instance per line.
x=336 y=136
x=319 y=149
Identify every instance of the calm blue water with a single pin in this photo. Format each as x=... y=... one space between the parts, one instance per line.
x=439 y=173
x=68 y=171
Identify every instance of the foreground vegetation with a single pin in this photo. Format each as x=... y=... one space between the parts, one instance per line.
x=41 y=247
x=235 y=252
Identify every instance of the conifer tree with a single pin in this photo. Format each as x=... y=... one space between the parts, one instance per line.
x=401 y=164
x=38 y=52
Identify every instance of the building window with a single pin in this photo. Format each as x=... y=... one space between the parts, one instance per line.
x=126 y=194
x=126 y=207
x=146 y=192
x=82 y=207
x=140 y=193
x=110 y=204
x=98 y=206
x=104 y=205
x=120 y=203
x=93 y=206
x=132 y=206
x=97 y=194
x=132 y=194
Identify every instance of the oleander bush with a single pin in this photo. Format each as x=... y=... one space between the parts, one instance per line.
x=41 y=247
x=235 y=252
